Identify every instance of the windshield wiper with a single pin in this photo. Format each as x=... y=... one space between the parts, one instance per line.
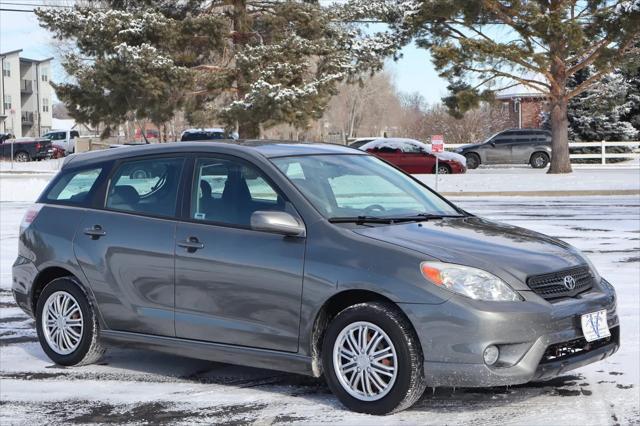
x=360 y=219
x=388 y=219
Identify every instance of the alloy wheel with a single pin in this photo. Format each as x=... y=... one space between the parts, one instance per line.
x=365 y=361
x=22 y=157
x=62 y=322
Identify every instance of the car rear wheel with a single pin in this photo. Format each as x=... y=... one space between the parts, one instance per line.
x=21 y=157
x=473 y=161
x=539 y=160
x=372 y=359
x=67 y=325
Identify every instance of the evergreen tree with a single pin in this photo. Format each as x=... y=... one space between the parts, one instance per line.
x=610 y=109
x=249 y=63
x=600 y=112
x=540 y=44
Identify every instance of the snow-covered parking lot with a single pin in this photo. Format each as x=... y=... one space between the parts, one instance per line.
x=131 y=386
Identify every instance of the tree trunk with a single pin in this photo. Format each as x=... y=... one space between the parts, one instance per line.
x=558 y=102
x=560 y=162
x=248 y=130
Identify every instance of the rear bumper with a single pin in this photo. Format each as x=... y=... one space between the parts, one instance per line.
x=24 y=273
x=532 y=337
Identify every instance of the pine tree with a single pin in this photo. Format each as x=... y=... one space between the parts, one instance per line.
x=540 y=44
x=599 y=113
x=248 y=63
x=610 y=109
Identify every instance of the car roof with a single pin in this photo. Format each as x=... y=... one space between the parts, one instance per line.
x=256 y=147
x=205 y=130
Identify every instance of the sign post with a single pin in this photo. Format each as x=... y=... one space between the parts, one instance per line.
x=437 y=145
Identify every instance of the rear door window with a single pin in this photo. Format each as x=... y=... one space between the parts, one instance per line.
x=74 y=187
x=146 y=186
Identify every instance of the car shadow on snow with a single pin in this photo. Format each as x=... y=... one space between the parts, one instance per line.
x=132 y=365
x=473 y=399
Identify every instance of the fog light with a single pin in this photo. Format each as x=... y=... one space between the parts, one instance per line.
x=491 y=354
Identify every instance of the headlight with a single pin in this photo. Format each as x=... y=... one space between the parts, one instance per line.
x=471 y=282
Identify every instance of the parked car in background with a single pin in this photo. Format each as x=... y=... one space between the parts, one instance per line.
x=65 y=139
x=206 y=135
x=515 y=146
x=26 y=149
x=415 y=157
x=314 y=259
x=360 y=141
x=57 y=152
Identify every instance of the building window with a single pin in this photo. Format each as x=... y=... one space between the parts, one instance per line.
x=6 y=69
x=45 y=104
x=7 y=102
x=45 y=74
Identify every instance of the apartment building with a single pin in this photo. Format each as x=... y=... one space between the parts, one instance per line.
x=25 y=95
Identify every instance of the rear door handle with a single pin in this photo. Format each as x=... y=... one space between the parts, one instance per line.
x=191 y=244
x=95 y=232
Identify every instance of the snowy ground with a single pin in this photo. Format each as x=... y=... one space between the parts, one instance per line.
x=130 y=386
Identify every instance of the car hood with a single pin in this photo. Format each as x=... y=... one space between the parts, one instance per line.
x=506 y=251
x=469 y=145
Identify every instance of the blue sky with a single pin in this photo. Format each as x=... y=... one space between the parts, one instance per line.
x=414 y=72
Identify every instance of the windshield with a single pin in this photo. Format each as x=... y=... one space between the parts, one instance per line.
x=345 y=186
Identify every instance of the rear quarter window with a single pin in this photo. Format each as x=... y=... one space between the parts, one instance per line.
x=74 y=187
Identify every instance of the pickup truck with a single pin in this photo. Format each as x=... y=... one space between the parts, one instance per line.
x=64 y=139
x=26 y=149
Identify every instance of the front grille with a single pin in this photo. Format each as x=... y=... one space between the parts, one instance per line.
x=551 y=286
x=566 y=350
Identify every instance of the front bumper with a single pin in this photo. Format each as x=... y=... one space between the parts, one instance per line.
x=533 y=337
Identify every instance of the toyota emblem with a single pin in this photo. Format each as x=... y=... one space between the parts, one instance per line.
x=569 y=282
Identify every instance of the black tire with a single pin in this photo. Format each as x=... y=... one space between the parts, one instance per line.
x=443 y=169
x=409 y=384
x=21 y=157
x=473 y=160
x=539 y=160
x=89 y=350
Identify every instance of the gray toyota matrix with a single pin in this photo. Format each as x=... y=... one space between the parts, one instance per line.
x=309 y=258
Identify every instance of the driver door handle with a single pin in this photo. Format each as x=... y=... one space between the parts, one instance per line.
x=191 y=244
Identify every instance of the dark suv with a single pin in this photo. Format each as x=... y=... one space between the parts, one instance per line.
x=515 y=146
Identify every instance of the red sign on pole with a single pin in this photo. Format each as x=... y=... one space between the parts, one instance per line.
x=437 y=143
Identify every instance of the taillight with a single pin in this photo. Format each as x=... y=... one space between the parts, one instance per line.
x=30 y=216
x=38 y=146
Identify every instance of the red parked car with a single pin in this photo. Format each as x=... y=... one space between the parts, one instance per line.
x=415 y=157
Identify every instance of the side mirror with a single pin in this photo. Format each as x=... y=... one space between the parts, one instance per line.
x=278 y=223
x=493 y=144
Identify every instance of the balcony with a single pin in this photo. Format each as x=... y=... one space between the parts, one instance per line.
x=27 y=118
x=26 y=86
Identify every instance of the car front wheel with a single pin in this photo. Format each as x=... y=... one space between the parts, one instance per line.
x=443 y=169
x=67 y=325
x=372 y=359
